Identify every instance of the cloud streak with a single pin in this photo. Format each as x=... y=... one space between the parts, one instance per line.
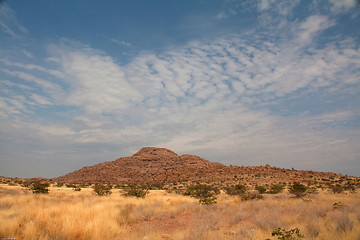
x=9 y=23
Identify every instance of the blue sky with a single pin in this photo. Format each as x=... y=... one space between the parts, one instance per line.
x=238 y=82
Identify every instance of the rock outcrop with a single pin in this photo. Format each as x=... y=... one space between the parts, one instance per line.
x=161 y=165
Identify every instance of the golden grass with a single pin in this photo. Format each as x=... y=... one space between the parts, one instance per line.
x=66 y=214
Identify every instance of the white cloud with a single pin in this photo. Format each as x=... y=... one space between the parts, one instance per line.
x=40 y=99
x=23 y=66
x=310 y=27
x=51 y=88
x=28 y=54
x=97 y=84
x=340 y=6
x=121 y=43
x=9 y=23
x=265 y=4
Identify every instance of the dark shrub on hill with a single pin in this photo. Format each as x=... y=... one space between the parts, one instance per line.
x=205 y=193
x=261 y=189
x=238 y=189
x=102 y=190
x=135 y=191
x=336 y=188
x=298 y=189
x=276 y=188
x=201 y=191
x=40 y=188
x=251 y=195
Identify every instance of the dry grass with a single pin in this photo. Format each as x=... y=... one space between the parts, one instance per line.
x=65 y=214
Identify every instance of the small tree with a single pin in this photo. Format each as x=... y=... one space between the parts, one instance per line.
x=102 y=190
x=135 y=191
x=238 y=189
x=261 y=189
x=201 y=191
x=276 y=188
x=38 y=187
x=204 y=192
x=298 y=189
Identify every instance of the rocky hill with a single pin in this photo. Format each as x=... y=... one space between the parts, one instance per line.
x=154 y=165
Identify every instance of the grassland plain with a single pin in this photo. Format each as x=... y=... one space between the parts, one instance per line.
x=67 y=214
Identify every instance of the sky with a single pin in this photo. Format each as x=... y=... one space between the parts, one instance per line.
x=245 y=83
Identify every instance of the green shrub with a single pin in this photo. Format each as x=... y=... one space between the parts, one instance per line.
x=207 y=201
x=298 y=189
x=102 y=190
x=204 y=192
x=40 y=188
x=201 y=191
x=238 y=189
x=261 y=189
x=291 y=234
x=26 y=184
x=276 y=188
x=336 y=188
x=135 y=191
x=251 y=196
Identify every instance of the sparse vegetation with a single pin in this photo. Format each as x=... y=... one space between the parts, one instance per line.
x=65 y=214
x=40 y=188
x=261 y=189
x=238 y=189
x=102 y=190
x=276 y=188
x=205 y=193
x=207 y=200
x=298 y=189
x=291 y=234
x=77 y=188
x=251 y=195
x=135 y=191
x=337 y=188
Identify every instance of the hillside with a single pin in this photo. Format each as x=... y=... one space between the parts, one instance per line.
x=154 y=165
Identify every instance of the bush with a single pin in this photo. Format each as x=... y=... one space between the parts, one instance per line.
x=26 y=184
x=238 y=189
x=261 y=189
x=336 y=188
x=155 y=186
x=298 y=189
x=136 y=191
x=40 y=188
x=251 y=196
x=77 y=188
x=207 y=201
x=276 y=188
x=312 y=190
x=201 y=191
x=102 y=190
x=204 y=192
x=291 y=234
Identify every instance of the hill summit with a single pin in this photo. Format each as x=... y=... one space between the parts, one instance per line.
x=161 y=165
x=150 y=164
